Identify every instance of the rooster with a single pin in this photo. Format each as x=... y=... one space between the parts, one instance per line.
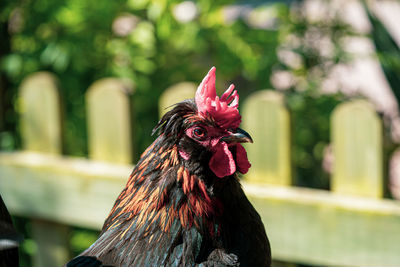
x=183 y=204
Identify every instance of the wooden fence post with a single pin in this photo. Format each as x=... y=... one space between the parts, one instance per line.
x=40 y=117
x=39 y=106
x=266 y=119
x=357 y=147
x=109 y=121
x=175 y=94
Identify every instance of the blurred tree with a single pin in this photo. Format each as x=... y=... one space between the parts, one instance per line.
x=148 y=42
x=4 y=84
x=309 y=49
x=158 y=43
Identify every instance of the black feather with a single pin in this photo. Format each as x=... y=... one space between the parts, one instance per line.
x=86 y=261
x=9 y=238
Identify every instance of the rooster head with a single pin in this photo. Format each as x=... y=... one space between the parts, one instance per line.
x=210 y=124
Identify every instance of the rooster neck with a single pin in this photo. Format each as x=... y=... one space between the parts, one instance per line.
x=164 y=189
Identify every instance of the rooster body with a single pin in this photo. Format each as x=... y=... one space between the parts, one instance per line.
x=183 y=204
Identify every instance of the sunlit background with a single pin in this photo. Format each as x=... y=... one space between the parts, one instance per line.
x=318 y=53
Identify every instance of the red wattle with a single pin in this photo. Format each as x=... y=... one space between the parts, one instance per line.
x=243 y=164
x=222 y=162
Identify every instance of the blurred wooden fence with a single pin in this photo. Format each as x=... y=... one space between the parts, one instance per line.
x=352 y=225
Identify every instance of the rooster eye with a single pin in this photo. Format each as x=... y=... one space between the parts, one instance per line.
x=199 y=133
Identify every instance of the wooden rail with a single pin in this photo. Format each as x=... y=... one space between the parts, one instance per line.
x=349 y=226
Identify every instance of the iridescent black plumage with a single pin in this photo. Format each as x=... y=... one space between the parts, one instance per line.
x=174 y=211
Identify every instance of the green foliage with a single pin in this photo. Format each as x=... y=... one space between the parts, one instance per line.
x=81 y=239
x=309 y=50
x=311 y=136
x=28 y=246
x=80 y=41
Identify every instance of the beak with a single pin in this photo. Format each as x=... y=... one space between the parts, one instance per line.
x=240 y=136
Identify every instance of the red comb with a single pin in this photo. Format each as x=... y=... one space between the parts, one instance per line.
x=224 y=110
